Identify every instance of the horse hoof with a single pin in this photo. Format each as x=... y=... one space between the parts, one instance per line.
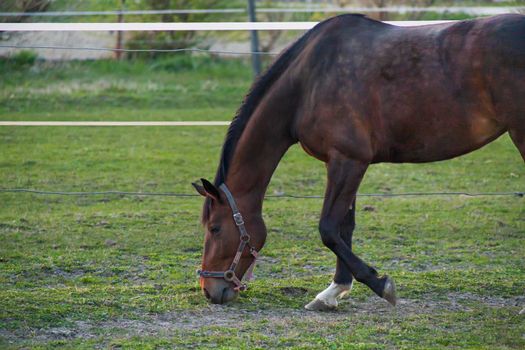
x=389 y=292
x=319 y=305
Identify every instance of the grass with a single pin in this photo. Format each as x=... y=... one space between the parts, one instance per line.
x=118 y=271
x=137 y=90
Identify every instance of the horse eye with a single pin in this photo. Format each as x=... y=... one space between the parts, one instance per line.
x=215 y=229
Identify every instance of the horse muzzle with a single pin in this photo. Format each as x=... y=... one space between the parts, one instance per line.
x=219 y=291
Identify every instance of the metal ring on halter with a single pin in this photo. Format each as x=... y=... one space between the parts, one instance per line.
x=229 y=275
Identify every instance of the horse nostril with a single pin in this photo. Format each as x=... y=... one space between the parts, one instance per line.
x=207 y=294
x=224 y=295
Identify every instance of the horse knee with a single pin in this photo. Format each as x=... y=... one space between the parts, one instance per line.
x=329 y=233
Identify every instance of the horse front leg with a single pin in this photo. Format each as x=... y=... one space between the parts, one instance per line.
x=344 y=177
x=517 y=136
x=342 y=282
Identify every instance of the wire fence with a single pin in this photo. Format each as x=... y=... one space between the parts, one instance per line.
x=209 y=51
x=283 y=195
x=193 y=26
x=181 y=26
x=187 y=49
x=120 y=12
x=114 y=123
x=474 y=10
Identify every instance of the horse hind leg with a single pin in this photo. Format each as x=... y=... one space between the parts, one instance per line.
x=341 y=285
x=517 y=136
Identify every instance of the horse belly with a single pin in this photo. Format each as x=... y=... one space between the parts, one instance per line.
x=440 y=141
x=439 y=111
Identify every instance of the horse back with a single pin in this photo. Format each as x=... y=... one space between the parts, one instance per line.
x=412 y=94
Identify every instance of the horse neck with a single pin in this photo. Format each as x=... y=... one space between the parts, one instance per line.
x=264 y=141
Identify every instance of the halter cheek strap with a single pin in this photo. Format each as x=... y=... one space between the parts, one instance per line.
x=229 y=275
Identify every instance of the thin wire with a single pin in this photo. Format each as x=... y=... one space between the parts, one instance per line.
x=172 y=194
x=118 y=12
x=411 y=194
x=187 y=49
x=114 y=124
x=95 y=193
x=395 y=9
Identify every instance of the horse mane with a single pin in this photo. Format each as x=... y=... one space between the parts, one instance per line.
x=250 y=102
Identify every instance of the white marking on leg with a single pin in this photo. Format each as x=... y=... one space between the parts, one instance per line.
x=335 y=291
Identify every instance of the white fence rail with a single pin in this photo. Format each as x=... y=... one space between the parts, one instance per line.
x=187 y=26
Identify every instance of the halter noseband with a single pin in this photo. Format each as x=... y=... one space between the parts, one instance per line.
x=229 y=275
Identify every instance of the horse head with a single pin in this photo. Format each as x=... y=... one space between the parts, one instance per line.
x=231 y=241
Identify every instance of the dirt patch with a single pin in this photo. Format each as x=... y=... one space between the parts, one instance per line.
x=294 y=291
x=369 y=208
x=230 y=316
x=490 y=301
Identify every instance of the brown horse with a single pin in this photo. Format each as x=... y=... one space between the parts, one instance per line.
x=353 y=92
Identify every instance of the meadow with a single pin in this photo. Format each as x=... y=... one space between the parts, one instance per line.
x=118 y=271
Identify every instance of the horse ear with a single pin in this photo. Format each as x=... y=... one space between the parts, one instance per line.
x=199 y=189
x=210 y=190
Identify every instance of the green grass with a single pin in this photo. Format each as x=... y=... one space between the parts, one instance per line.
x=174 y=89
x=119 y=271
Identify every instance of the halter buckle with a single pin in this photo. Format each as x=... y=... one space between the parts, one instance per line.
x=254 y=253
x=237 y=217
x=241 y=288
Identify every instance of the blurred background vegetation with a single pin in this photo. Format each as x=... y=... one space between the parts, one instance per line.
x=270 y=40
x=23 y=70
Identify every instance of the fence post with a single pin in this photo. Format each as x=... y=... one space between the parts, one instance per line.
x=256 y=61
x=120 y=19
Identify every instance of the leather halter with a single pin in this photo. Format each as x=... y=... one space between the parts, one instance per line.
x=229 y=275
